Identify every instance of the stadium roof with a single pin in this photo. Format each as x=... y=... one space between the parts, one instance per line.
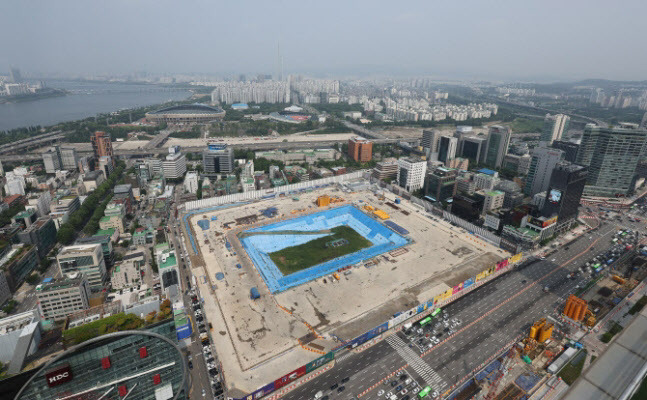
x=189 y=109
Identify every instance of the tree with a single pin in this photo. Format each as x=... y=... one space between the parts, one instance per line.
x=33 y=279
x=154 y=262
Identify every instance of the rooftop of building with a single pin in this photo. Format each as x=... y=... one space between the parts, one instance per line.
x=92 y=176
x=105 y=232
x=487 y=171
x=524 y=231
x=25 y=214
x=16 y=251
x=168 y=261
x=123 y=188
x=61 y=283
x=39 y=223
x=77 y=249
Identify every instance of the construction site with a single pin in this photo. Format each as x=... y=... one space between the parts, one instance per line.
x=294 y=318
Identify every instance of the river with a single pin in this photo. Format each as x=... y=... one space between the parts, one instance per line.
x=85 y=99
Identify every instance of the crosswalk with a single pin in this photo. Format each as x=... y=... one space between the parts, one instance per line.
x=423 y=369
x=343 y=357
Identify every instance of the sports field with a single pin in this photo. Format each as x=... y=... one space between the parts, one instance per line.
x=343 y=240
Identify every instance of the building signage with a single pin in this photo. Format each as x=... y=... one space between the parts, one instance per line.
x=326 y=358
x=58 y=375
x=287 y=378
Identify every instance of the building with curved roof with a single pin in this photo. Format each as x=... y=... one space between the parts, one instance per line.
x=186 y=113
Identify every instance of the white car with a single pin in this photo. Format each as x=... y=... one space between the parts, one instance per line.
x=434 y=395
x=381 y=392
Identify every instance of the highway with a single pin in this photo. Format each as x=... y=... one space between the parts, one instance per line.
x=491 y=316
x=198 y=149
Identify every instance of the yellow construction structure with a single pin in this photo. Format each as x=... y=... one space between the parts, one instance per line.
x=576 y=308
x=619 y=279
x=541 y=331
x=368 y=207
x=381 y=214
x=323 y=201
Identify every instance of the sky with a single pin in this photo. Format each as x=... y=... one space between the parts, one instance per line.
x=509 y=40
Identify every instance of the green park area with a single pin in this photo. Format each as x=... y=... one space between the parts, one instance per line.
x=343 y=240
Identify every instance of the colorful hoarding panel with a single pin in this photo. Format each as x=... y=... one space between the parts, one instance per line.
x=421 y=308
x=438 y=299
x=469 y=282
x=515 y=258
x=265 y=390
x=492 y=270
x=367 y=336
x=325 y=359
x=402 y=317
x=288 y=378
x=449 y=292
x=457 y=288
x=501 y=264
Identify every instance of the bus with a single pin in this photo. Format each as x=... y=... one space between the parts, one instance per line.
x=436 y=311
x=425 y=321
x=424 y=392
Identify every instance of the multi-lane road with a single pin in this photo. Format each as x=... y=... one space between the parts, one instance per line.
x=492 y=316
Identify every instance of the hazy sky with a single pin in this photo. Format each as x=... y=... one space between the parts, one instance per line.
x=507 y=39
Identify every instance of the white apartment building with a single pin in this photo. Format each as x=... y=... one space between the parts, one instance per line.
x=411 y=173
x=174 y=166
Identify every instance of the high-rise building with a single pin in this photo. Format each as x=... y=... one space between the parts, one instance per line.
x=565 y=191
x=498 y=142
x=14 y=75
x=467 y=207
x=41 y=234
x=473 y=148
x=217 y=159
x=543 y=161
x=360 y=149
x=87 y=259
x=174 y=166
x=102 y=146
x=17 y=263
x=569 y=148
x=429 y=141
x=411 y=173
x=385 y=170
x=440 y=184
x=554 y=127
x=447 y=148
x=60 y=297
x=60 y=158
x=612 y=156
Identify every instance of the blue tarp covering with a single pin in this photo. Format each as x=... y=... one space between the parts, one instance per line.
x=204 y=224
x=527 y=381
x=396 y=227
x=220 y=276
x=254 y=294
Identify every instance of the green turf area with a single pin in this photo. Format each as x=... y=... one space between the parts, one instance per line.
x=296 y=258
x=572 y=371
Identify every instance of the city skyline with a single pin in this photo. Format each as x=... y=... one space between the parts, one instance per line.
x=511 y=41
